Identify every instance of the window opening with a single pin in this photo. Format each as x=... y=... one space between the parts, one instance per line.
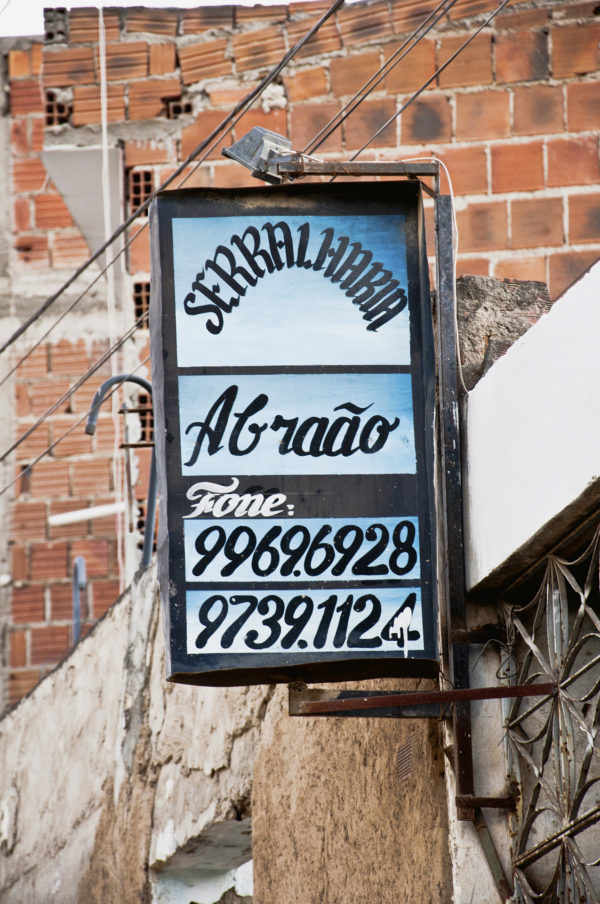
x=57 y=112
x=141 y=300
x=140 y=185
x=178 y=107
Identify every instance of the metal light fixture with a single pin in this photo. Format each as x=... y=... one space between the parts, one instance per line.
x=260 y=151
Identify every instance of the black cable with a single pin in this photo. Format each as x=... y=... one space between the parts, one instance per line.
x=223 y=126
x=68 y=310
x=369 y=86
x=31 y=465
x=231 y=120
x=426 y=84
x=77 y=385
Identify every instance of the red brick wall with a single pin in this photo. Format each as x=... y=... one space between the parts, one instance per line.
x=515 y=118
x=76 y=475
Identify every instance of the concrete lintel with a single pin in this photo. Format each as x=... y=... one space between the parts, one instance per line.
x=532 y=442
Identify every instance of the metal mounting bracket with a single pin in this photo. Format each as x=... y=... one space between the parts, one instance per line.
x=428 y=704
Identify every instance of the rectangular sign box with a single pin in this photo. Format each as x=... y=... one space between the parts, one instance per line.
x=294 y=378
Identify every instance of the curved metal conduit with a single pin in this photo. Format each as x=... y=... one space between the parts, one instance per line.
x=151 y=497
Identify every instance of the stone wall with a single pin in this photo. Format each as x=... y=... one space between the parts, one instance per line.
x=118 y=786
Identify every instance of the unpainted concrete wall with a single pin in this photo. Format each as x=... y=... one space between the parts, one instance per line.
x=106 y=769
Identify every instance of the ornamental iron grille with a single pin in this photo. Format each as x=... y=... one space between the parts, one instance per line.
x=551 y=742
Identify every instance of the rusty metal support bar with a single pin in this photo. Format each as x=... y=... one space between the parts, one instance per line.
x=486 y=841
x=478 y=635
x=473 y=802
x=297 y=166
x=327 y=702
x=451 y=490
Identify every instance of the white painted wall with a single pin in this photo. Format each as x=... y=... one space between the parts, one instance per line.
x=533 y=435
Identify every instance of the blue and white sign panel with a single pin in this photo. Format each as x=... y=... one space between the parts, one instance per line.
x=293 y=379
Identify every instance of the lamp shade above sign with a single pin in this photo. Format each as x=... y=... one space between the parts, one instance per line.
x=293 y=377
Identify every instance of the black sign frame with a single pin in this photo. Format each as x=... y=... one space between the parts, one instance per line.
x=222 y=669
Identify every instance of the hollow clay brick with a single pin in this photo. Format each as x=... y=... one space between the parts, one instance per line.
x=472 y=66
x=68 y=66
x=428 y=119
x=413 y=69
x=584 y=217
x=203 y=61
x=483 y=114
x=48 y=560
x=538 y=109
x=517 y=167
x=483 y=227
x=259 y=48
x=536 y=222
x=575 y=50
x=349 y=74
x=26 y=97
x=521 y=56
x=573 y=161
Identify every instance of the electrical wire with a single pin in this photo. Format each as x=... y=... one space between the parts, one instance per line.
x=68 y=310
x=223 y=126
x=461 y=378
x=369 y=86
x=28 y=468
x=205 y=146
x=426 y=84
x=373 y=82
x=230 y=123
x=77 y=385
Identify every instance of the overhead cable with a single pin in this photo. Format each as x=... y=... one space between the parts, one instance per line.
x=223 y=126
x=229 y=121
x=28 y=468
x=76 y=385
x=68 y=310
x=426 y=84
x=369 y=86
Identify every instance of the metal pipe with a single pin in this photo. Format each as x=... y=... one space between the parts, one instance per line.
x=92 y=420
x=501 y=881
x=150 y=513
x=410 y=698
x=151 y=496
x=78 y=585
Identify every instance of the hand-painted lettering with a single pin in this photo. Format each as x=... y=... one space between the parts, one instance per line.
x=313 y=436
x=274 y=247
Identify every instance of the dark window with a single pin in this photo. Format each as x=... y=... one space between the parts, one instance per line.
x=146 y=418
x=178 y=107
x=57 y=112
x=140 y=186
x=141 y=300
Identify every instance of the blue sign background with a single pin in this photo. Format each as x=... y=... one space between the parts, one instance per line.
x=294 y=316
x=295 y=386
x=299 y=396
x=259 y=527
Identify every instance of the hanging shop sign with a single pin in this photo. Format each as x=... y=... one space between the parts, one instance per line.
x=293 y=375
